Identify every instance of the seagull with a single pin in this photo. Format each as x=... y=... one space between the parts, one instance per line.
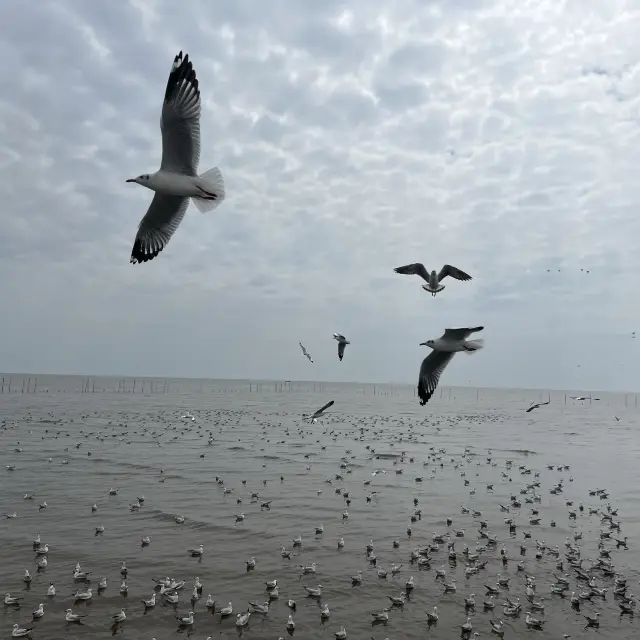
x=74 y=617
x=121 y=616
x=242 y=619
x=320 y=411
x=151 y=602
x=342 y=343
x=305 y=353
x=444 y=348
x=254 y=607
x=433 y=279
x=186 y=621
x=177 y=180
x=20 y=633
x=535 y=406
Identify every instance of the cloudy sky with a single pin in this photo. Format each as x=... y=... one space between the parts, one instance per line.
x=500 y=136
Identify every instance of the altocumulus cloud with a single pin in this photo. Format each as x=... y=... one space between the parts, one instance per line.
x=498 y=135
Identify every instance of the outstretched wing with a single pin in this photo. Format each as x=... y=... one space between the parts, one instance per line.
x=341 y=346
x=430 y=371
x=319 y=412
x=535 y=406
x=460 y=334
x=180 y=119
x=163 y=217
x=417 y=269
x=448 y=270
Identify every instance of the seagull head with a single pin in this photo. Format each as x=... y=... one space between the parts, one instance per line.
x=143 y=179
x=428 y=343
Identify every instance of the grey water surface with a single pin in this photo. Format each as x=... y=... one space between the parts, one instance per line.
x=135 y=440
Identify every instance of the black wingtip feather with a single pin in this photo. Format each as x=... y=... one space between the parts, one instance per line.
x=182 y=70
x=425 y=395
x=138 y=255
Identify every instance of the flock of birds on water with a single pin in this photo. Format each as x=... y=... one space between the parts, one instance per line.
x=487 y=562
x=459 y=558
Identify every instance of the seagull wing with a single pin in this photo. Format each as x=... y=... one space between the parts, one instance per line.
x=341 y=346
x=459 y=334
x=448 y=270
x=163 y=217
x=180 y=119
x=430 y=371
x=417 y=268
x=319 y=412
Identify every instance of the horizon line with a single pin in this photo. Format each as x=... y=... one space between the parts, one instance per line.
x=278 y=380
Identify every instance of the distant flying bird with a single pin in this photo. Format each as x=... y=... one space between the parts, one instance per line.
x=433 y=279
x=535 y=406
x=319 y=412
x=444 y=348
x=342 y=343
x=305 y=352
x=178 y=179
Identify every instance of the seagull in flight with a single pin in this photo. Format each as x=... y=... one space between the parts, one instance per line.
x=444 y=348
x=177 y=180
x=305 y=353
x=535 y=406
x=320 y=412
x=342 y=343
x=433 y=279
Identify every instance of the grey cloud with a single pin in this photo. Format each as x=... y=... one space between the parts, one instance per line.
x=471 y=132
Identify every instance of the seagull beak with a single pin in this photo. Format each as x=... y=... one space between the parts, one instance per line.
x=423 y=344
x=130 y=180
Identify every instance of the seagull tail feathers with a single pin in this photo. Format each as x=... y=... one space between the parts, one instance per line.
x=473 y=345
x=211 y=183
